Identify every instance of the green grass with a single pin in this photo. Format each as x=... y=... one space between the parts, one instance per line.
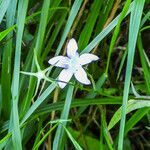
x=14 y=120
x=36 y=114
x=133 y=32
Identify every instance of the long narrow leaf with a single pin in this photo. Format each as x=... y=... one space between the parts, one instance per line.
x=135 y=19
x=16 y=136
x=59 y=133
x=73 y=13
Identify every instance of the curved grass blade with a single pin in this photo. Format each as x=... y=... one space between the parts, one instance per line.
x=76 y=145
x=44 y=137
x=33 y=113
x=138 y=115
x=78 y=103
x=132 y=105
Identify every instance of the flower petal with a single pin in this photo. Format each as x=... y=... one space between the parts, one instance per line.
x=87 y=58
x=64 y=76
x=72 y=48
x=59 y=61
x=81 y=76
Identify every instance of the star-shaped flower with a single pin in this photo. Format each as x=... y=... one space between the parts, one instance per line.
x=72 y=64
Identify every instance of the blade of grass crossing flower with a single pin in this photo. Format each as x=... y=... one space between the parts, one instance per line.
x=6 y=64
x=38 y=48
x=104 y=33
x=116 y=32
x=135 y=19
x=74 y=10
x=16 y=136
x=3 y=8
x=64 y=115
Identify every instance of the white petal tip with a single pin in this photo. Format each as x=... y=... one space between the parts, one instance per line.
x=59 y=61
x=72 y=43
x=52 y=61
x=87 y=82
x=62 y=85
x=96 y=58
x=49 y=61
x=87 y=58
x=72 y=47
x=64 y=77
x=72 y=40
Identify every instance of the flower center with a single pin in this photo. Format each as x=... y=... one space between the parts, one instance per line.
x=74 y=64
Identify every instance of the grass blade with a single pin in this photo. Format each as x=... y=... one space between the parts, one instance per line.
x=3 y=8
x=38 y=48
x=59 y=133
x=132 y=105
x=76 y=145
x=104 y=32
x=7 y=55
x=91 y=20
x=16 y=136
x=135 y=19
x=116 y=32
x=145 y=66
x=4 y=33
x=138 y=115
x=38 y=102
x=73 y=13
x=78 y=103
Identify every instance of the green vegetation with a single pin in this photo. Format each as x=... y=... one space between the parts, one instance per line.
x=111 y=113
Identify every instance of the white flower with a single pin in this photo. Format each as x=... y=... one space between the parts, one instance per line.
x=72 y=64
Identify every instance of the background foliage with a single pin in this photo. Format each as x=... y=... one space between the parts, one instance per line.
x=36 y=114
